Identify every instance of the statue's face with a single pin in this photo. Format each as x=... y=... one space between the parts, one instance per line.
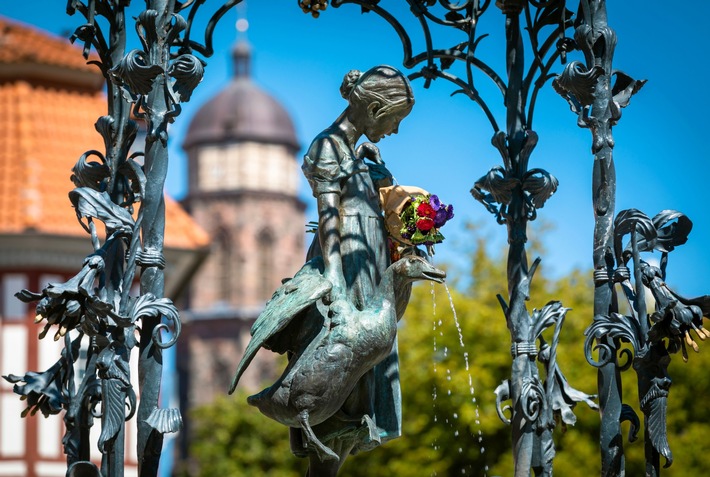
x=381 y=123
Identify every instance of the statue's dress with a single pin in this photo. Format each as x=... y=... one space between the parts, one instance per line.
x=365 y=256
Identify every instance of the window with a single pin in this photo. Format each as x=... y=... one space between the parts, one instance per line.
x=224 y=262
x=12 y=308
x=266 y=264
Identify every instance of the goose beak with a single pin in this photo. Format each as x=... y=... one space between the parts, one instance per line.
x=434 y=275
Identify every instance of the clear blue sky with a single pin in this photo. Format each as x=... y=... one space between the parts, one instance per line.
x=444 y=145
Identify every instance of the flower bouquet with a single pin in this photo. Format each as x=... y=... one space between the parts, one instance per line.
x=413 y=216
x=422 y=219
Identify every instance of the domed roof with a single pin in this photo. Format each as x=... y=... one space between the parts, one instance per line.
x=241 y=112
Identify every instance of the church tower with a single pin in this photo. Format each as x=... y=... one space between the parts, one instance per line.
x=243 y=190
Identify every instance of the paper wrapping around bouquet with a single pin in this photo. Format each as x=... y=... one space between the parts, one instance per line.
x=394 y=199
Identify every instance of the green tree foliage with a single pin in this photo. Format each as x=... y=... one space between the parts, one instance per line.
x=234 y=439
x=451 y=427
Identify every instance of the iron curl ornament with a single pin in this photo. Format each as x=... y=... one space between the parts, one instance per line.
x=119 y=202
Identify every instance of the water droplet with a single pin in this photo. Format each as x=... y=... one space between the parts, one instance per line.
x=456 y=433
x=460 y=450
x=483 y=450
x=456 y=415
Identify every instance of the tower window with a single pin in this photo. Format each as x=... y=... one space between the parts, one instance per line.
x=224 y=264
x=266 y=264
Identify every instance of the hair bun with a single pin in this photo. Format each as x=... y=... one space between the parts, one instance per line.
x=349 y=82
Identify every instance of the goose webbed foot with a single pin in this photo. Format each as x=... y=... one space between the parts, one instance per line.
x=313 y=443
x=372 y=430
x=369 y=435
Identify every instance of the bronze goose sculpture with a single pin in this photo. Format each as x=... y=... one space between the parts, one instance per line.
x=330 y=352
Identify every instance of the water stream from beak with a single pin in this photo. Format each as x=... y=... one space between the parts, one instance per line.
x=452 y=421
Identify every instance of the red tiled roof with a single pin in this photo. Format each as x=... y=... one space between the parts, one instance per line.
x=43 y=132
x=20 y=43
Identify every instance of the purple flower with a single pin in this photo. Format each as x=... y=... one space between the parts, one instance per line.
x=440 y=218
x=434 y=202
x=411 y=228
x=449 y=212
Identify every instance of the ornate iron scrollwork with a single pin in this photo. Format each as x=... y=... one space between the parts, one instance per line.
x=95 y=307
x=656 y=336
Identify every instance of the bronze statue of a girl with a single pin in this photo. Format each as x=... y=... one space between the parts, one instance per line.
x=351 y=235
x=312 y=317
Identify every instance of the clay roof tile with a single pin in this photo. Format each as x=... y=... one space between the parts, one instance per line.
x=44 y=130
x=20 y=43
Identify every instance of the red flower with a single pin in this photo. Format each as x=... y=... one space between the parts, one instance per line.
x=425 y=224
x=426 y=210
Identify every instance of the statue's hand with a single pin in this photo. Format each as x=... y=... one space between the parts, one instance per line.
x=380 y=175
x=337 y=293
x=368 y=150
x=339 y=310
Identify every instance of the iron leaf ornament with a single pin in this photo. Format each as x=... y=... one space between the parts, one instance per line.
x=135 y=74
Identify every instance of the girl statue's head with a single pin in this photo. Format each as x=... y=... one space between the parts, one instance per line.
x=378 y=100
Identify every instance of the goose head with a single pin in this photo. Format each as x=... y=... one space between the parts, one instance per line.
x=412 y=268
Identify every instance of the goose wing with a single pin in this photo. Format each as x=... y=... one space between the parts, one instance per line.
x=291 y=298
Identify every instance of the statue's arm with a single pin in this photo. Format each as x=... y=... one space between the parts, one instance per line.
x=329 y=236
x=322 y=168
